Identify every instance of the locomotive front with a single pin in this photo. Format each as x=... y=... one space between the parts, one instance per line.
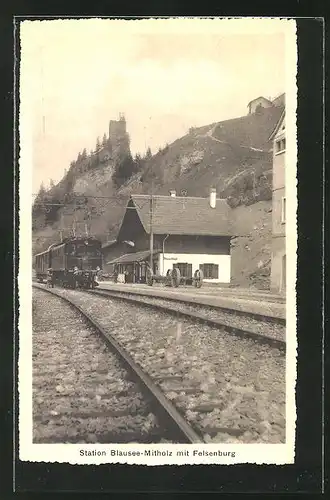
x=84 y=259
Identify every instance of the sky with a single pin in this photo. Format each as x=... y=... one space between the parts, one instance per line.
x=164 y=75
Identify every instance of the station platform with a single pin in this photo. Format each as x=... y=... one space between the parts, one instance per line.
x=244 y=300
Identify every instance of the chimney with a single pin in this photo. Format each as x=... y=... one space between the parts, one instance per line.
x=213 y=197
x=173 y=193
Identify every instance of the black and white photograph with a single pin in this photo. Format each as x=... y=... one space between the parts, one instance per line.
x=157 y=235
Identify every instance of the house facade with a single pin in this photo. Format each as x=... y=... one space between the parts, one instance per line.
x=190 y=233
x=278 y=268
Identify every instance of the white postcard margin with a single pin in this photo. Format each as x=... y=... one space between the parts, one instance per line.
x=159 y=454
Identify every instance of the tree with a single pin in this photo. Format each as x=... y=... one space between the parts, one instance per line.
x=104 y=140
x=98 y=144
x=138 y=162
x=148 y=155
x=39 y=209
x=84 y=154
x=41 y=192
x=51 y=184
x=125 y=168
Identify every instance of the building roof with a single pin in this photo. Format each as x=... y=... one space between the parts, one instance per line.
x=260 y=97
x=128 y=258
x=278 y=124
x=183 y=215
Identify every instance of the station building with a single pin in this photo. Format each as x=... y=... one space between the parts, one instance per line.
x=278 y=267
x=188 y=232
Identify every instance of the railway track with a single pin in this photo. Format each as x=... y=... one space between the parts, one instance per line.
x=218 y=386
x=201 y=313
x=176 y=428
x=195 y=302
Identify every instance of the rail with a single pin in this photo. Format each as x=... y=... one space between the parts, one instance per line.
x=240 y=332
x=165 y=409
x=192 y=301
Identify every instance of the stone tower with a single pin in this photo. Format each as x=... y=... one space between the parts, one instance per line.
x=117 y=128
x=118 y=137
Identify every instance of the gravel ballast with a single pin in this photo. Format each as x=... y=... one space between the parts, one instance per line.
x=81 y=393
x=231 y=389
x=232 y=319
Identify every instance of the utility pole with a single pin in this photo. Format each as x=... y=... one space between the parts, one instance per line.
x=74 y=224
x=61 y=228
x=151 y=222
x=151 y=232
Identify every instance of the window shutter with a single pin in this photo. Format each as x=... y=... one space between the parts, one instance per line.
x=215 y=271
x=189 y=274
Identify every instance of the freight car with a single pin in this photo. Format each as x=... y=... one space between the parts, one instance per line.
x=75 y=262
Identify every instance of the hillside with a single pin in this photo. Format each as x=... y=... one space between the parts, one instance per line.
x=234 y=156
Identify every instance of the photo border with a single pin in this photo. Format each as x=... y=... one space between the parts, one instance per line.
x=305 y=474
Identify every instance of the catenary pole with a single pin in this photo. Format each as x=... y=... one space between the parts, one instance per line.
x=151 y=211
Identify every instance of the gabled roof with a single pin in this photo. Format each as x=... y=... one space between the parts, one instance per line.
x=260 y=97
x=183 y=215
x=280 y=121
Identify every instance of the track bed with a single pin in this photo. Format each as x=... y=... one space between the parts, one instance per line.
x=230 y=389
x=81 y=393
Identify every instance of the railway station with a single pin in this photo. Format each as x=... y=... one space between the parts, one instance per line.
x=187 y=233
x=159 y=312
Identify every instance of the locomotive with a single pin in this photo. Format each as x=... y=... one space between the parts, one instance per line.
x=75 y=262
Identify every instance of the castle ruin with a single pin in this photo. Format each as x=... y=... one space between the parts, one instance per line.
x=117 y=128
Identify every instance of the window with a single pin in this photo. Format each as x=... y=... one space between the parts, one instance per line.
x=280 y=146
x=210 y=271
x=185 y=269
x=283 y=210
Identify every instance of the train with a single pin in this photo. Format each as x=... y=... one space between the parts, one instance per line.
x=72 y=263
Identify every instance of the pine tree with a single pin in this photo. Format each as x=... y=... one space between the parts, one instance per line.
x=42 y=191
x=84 y=154
x=98 y=144
x=125 y=168
x=104 y=140
x=138 y=162
x=148 y=155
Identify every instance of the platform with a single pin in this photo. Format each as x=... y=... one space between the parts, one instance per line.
x=239 y=300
